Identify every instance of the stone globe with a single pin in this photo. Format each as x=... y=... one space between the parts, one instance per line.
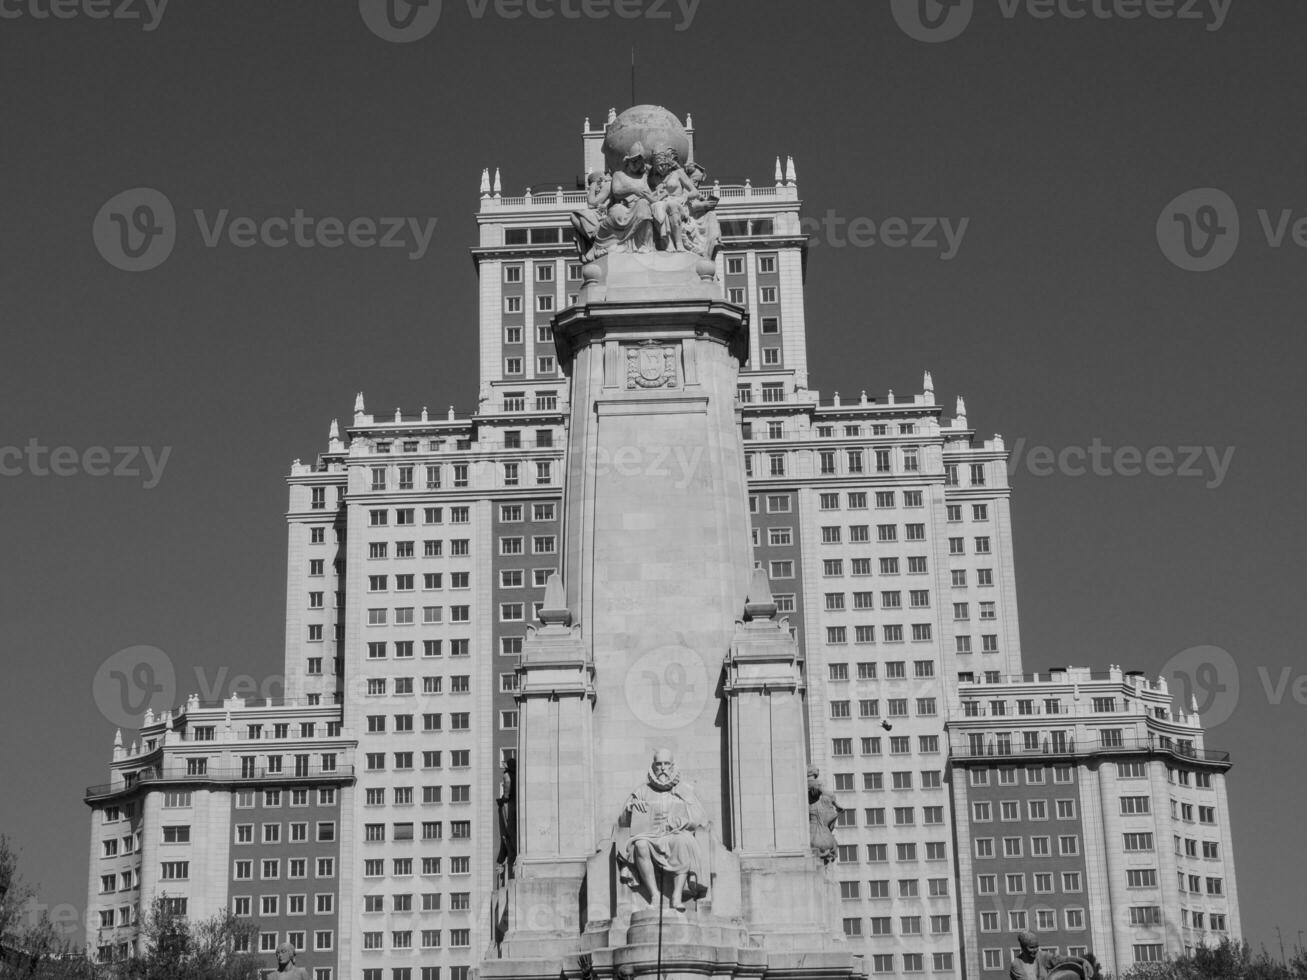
x=652 y=126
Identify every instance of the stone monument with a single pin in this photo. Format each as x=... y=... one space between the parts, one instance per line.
x=657 y=641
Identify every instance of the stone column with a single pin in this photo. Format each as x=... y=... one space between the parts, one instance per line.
x=555 y=789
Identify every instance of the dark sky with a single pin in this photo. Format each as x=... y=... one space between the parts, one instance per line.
x=1060 y=319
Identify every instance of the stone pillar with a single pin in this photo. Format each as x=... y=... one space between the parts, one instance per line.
x=785 y=895
x=555 y=789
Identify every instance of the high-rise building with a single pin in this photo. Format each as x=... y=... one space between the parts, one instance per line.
x=356 y=816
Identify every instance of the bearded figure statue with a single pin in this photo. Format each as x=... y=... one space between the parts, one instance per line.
x=663 y=815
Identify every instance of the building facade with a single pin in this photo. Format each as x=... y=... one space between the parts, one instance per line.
x=419 y=546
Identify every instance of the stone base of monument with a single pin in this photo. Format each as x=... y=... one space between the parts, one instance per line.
x=648 y=276
x=763 y=916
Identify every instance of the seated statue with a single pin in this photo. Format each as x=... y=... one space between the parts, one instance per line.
x=673 y=192
x=703 y=233
x=625 y=217
x=286 y=968
x=664 y=813
x=585 y=224
x=823 y=811
x=1032 y=963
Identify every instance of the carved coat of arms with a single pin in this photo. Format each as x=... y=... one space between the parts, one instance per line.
x=650 y=367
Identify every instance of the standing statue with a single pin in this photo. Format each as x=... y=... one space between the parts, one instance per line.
x=506 y=804
x=823 y=811
x=664 y=812
x=1032 y=963
x=286 y=968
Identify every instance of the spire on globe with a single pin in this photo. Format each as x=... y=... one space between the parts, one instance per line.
x=653 y=127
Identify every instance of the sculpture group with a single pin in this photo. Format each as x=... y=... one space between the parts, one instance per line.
x=651 y=203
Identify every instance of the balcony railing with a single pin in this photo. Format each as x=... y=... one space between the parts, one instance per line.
x=992 y=748
x=260 y=774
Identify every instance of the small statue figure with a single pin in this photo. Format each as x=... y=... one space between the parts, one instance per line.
x=627 y=220
x=663 y=813
x=286 y=968
x=673 y=191
x=704 y=232
x=1032 y=963
x=823 y=811
x=506 y=804
x=585 y=224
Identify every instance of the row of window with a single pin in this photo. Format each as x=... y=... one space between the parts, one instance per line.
x=544 y=272
x=909 y=925
x=375 y=833
x=516 y=334
x=402 y=902
x=890 y=633
x=270 y=869
x=403 y=867
x=1068 y=845
x=415 y=973
x=894 y=670
x=1008 y=775
x=889 y=599
x=909 y=461
x=984 y=811
x=257 y=731
x=431 y=758
x=1042 y=883
x=544 y=303
x=401 y=939
x=545 y=364
x=406 y=615
x=904 y=816
x=127 y=916
x=872 y=744
x=404 y=477
x=1185 y=811
x=1196 y=919
x=324 y=903
x=911 y=962
x=767 y=295
x=431 y=684
x=295 y=832
x=899 y=779
x=894 y=708
x=853 y=430
x=113 y=847
x=404 y=795
x=904 y=852
x=403 y=649
x=1188 y=847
